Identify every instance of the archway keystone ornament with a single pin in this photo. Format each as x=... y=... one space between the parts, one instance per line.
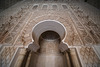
x=44 y=26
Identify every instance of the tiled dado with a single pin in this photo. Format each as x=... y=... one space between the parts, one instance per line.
x=6 y=55
x=88 y=57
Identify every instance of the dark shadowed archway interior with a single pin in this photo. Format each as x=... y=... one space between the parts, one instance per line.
x=50 y=35
x=49 y=54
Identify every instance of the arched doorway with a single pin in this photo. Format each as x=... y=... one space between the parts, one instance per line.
x=48 y=35
x=47 y=25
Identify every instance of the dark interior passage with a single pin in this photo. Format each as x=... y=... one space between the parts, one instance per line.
x=51 y=35
x=49 y=54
